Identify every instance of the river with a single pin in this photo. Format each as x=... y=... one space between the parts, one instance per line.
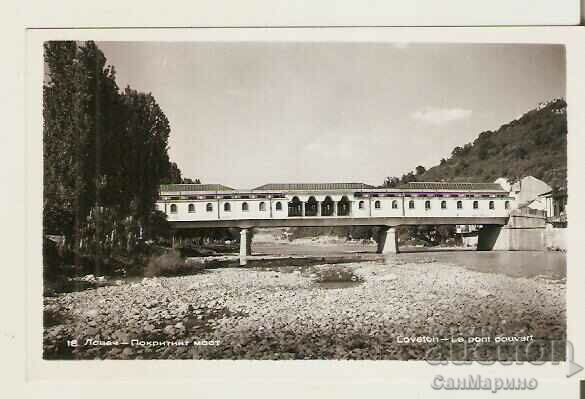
x=546 y=264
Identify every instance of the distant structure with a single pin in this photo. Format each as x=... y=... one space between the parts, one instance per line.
x=525 y=190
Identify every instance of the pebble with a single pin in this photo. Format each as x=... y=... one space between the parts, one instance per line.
x=257 y=316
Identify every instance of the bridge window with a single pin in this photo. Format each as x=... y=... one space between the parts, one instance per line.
x=378 y=205
x=279 y=206
x=209 y=207
x=443 y=204
x=262 y=206
x=459 y=204
x=507 y=204
x=361 y=205
x=394 y=204
x=295 y=207
x=411 y=204
x=244 y=207
x=427 y=204
x=327 y=207
x=191 y=208
x=173 y=208
x=492 y=205
x=311 y=207
x=227 y=207
x=343 y=206
x=475 y=204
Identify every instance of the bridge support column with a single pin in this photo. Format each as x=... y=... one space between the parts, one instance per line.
x=388 y=240
x=488 y=238
x=245 y=246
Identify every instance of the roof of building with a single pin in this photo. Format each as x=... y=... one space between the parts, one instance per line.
x=451 y=186
x=194 y=187
x=312 y=186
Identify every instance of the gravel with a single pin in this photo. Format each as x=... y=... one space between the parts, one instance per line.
x=237 y=313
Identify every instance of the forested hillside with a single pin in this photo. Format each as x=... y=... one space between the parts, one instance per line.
x=535 y=144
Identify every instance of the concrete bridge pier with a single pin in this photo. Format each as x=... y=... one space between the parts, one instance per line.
x=245 y=245
x=387 y=240
x=488 y=238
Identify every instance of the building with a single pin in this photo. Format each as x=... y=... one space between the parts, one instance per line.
x=216 y=202
x=555 y=206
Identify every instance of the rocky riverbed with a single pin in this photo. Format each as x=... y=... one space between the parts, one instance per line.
x=283 y=313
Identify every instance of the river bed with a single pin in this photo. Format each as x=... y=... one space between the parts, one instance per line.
x=263 y=312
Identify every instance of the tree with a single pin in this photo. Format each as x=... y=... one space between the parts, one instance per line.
x=105 y=153
x=173 y=175
x=407 y=178
x=420 y=170
x=391 y=182
x=147 y=163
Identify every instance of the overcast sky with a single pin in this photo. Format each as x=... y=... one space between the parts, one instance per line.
x=246 y=114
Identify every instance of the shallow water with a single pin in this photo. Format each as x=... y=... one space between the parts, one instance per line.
x=332 y=285
x=547 y=264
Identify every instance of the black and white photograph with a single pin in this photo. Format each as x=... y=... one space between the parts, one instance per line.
x=304 y=200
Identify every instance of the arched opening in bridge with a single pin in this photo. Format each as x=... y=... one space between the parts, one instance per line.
x=278 y=206
x=262 y=207
x=295 y=207
x=361 y=205
x=475 y=205
x=377 y=204
x=507 y=205
x=459 y=204
x=191 y=208
x=244 y=207
x=173 y=208
x=327 y=207
x=427 y=205
x=227 y=207
x=443 y=204
x=343 y=206
x=209 y=207
x=394 y=204
x=492 y=205
x=311 y=207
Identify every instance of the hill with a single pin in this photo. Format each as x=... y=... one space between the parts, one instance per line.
x=534 y=144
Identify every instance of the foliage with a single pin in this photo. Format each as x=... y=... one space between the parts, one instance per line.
x=337 y=274
x=105 y=154
x=349 y=232
x=429 y=235
x=170 y=264
x=391 y=181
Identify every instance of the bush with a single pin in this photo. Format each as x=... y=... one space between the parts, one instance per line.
x=170 y=264
x=337 y=274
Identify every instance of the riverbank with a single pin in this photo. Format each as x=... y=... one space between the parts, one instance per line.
x=282 y=313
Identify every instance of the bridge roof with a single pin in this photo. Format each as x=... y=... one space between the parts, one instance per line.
x=194 y=187
x=312 y=186
x=451 y=186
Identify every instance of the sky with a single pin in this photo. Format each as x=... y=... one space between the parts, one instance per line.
x=246 y=114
